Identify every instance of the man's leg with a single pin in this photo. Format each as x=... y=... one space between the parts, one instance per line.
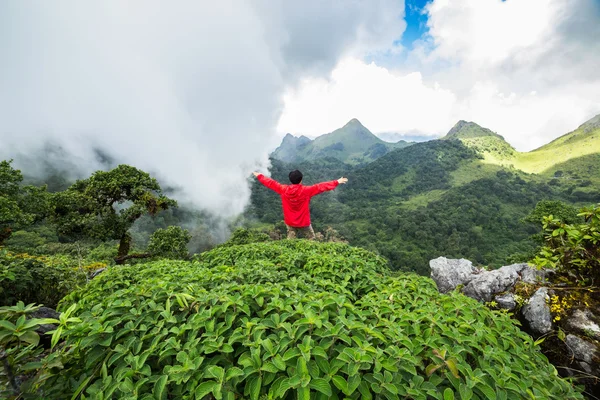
x=291 y=232
x=308 y=232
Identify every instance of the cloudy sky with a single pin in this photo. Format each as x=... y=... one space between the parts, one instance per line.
x=198 y=92
x=528 y=70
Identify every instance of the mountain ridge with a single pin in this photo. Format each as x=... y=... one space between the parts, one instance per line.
x=353 y=144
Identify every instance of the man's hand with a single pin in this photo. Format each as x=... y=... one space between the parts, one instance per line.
x=256 y=173
x=342 y=180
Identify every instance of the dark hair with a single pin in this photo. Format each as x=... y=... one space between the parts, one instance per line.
x=295 y=176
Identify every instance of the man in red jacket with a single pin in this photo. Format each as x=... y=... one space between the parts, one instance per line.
x=295 y=199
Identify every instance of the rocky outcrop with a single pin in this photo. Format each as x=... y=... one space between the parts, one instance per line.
x=449 y=273
x=573 y=353
x=478 y=283
x=506 y=301
x=536 y=313
x=582 y=321
x=584 y=353
x=485 y=285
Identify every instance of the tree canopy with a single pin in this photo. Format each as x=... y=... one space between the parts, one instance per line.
x=107 y=204
x=19 y=205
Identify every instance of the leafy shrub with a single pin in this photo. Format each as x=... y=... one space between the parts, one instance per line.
x=290 y=319
x=20 y=351
x=573 y=249
x=246 y=236
x=24 y=241
x=170 y=243
x=34 y=279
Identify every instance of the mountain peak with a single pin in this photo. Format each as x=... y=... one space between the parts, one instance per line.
x=354 y=123
x=467 y=129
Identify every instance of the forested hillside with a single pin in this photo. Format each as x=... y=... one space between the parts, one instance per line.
x=457 y=197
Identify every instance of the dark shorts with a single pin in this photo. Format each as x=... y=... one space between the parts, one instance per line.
x=305 y=232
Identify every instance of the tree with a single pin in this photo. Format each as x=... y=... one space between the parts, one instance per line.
x=19 y=205
x=170 y=243
x=558 y=209
x=107 y=204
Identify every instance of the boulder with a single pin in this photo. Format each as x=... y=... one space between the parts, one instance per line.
x=449 y=273
x=533 y=275
x=506 y=301
x=97 y=272
x=582 y=349
x=487 y=284
x=583 y=322
x=537 y=313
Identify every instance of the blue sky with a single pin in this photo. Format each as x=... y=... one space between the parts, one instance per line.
x=416 y=22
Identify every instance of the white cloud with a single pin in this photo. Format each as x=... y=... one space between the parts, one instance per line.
x=526 y=69
x=190 y=90
x=381 y=100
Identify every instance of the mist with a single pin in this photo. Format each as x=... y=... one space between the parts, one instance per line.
x=189 y=91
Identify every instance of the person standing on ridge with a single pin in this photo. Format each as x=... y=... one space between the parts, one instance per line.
x=295 y=199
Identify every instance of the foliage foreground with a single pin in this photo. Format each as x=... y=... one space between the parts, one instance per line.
x=291 y=319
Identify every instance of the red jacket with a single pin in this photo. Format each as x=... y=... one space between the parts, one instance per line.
x=296 y=198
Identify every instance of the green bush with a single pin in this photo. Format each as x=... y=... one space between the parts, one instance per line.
x=33 y=279
x=170 y=243
x=246 y=236
x=21 y=351
x=573 y=249
x=289 y=319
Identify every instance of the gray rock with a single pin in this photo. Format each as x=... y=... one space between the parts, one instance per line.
x=449 y=273
x=583 y=321
x=97 y=272
x=45 y=312
x=582 y=349
x=537 y=313
x=506 y=301
x=533 y=275
x=585 y=367
x=489 y=283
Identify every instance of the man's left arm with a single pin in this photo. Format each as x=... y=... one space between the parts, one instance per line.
x=325 y=186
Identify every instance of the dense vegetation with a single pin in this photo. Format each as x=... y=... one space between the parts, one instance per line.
x=435 y=198
x=290 y=319
x=286 y=319
x=572 y=249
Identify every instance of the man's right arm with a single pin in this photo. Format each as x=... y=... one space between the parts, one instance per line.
x=270 y=183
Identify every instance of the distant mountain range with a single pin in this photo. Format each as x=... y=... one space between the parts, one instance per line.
x=575 y=154
x=352 y=144
x=463 y=195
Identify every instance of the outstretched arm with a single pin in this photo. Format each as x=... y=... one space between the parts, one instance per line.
x=268 y=182
x=325 y=186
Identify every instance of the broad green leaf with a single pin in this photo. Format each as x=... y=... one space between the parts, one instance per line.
x=448 y=394
x=233 y=372
x=205 y=388
x=320 y=385
x=303 y=393
x=254 y=387
x=159 y=388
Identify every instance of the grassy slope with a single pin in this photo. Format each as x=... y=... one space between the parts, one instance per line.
x=582 y=142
